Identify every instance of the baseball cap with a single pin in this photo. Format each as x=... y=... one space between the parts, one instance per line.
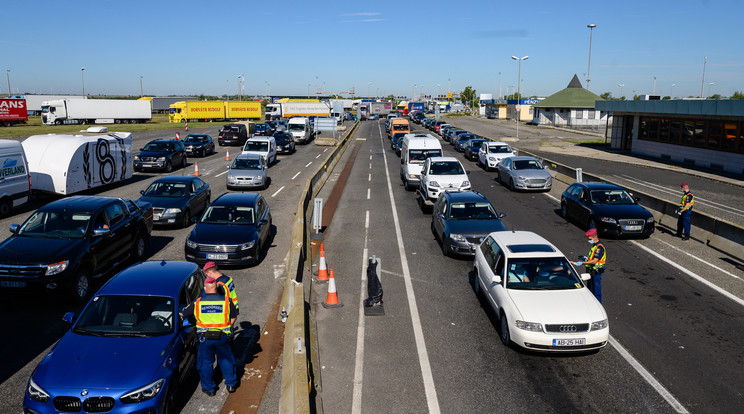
x=210 y=280
x=591 y=232
x=684 y=185
x=209 y=265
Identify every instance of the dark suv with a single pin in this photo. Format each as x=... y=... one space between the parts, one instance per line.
x=236 y=134
x=162 y=155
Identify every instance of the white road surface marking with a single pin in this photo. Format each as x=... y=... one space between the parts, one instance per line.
x=356 y=399
x=308 y=164
x=277 y=192
x=295 y=176
x=222 y=173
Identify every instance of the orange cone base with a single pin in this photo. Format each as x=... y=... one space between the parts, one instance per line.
x=332 y=305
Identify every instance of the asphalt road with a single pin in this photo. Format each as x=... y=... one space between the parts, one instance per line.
x=675 y=307
x=33 y=322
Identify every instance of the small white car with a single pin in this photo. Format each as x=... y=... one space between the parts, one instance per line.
x=490 y=154
x=540 y=299
x=442 y=174
x=263 y=146
x=247 y=171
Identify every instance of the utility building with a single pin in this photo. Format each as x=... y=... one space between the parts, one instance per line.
x=572 y=107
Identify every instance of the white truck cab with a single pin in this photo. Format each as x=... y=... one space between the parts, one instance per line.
x=416 y=148
x=263 y=146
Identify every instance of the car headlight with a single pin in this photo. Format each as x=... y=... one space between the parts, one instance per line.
x=465 y=183
x=161 y=159
x=247 y=246
x=191 y=244
x=136 y=158
x=457 y=237
x=599 y=325
x=412 y=176
x=529 y=326
x=491 y=158
x=434 y=184
x=143 y=394
x=609 y=220
x=55 y=268
x=171 y=211
x=36 y=393
x=231 y=179
x=520 y=178
x=650 y=219
x=257 y=179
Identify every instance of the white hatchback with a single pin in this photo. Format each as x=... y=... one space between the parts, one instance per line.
x=442 y=174
x=490 y=154
x=263 y=146
x=540 y=299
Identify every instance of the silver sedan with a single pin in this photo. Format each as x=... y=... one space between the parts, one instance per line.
x=247 y=171
x=524 y=173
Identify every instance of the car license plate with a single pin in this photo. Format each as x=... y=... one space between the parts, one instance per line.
x=156 y=217
x=536 y=185
x=632 y=228
x=215 y=256
x=13 y=284
x=569 y=342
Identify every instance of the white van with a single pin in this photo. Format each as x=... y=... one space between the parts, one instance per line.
x=263 y=146
x=416 y=148
x=15 y=181
x=300 y=130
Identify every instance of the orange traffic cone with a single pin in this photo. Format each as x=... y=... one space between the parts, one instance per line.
x=196 y=169
x=322 y=268
x=187 y=126
x=227 y=155
x=178 y=136
x=332 y=299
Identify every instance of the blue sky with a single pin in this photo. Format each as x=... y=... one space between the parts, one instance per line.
x=195 y=47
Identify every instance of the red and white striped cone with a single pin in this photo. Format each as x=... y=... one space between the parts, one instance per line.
x=178 y=136
x=332 y=298
x=187 y=126
x=322 y=267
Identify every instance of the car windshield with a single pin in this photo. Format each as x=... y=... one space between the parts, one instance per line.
x=259 y=146
x=156 y=146
x=55 y=225
x=499 y=149
x=163 y=189
x=446 y=168
x=419 y=156
x=228 y=215
x=541 y=274
x=195 y=139
x=262 y=126
x=296 y=127
x=476 y=143
x=400 y=127
x=282 y=139
x=472 y=211
x=527 y=165
x=612 y=197
x=127 y=315
x=246 y=164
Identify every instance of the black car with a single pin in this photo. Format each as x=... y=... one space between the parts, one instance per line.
x=608 y=208
x=263 y=129
x=162 y=155
x=398 y=136
x=235 y=134
x=461 y=220
x=418 y=117
x=198 y=144
x=473 y=146
x=233 y=230
x=284 y=143
x=175 y=199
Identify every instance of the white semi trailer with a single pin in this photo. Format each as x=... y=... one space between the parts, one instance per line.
x=100 y=111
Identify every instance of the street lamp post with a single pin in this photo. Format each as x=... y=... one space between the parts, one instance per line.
x=621 y=89
x=368 y=85
x=500 y=96
x=654 y=92
x=82 y=75
x=141 y=93
x=240 y=88
x=673 y=85
x=589 y=67
x=7 y=74
x=519 y=89
x=709 y=85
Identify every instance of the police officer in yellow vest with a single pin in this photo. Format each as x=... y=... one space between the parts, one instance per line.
x=685 y=212
x=225 y=284
x=595 y=263
x=215 y=314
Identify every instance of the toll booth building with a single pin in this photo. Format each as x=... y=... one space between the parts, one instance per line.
x=572 y=107
x=702 y=133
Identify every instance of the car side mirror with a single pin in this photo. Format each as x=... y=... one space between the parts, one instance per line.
x=440 y=215
x=14 y=228
x=637 y=199
x=142 y=192
x=502 y=215
x=496 y=280
x=69 y=317
x=227 y=166
x=263 y=222
x=586 y=277
x=194 y=219
x=101 y=232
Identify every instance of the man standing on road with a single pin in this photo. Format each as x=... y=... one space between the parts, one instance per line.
x=595 y=263
x=685 y=212
x=215 y=314
x=225 y=283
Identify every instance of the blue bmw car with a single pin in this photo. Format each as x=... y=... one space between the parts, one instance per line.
x=128 y=351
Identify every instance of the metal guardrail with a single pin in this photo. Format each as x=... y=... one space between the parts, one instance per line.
x=298 y=379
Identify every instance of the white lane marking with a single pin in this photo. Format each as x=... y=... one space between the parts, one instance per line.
x=279 y=271
x=308 y=164
x=370 y=166
x=701 y=260
x=356 y=399
x=676 y=405
x=317 y=156
x=369 y=178
x=429 y=388
x=368 y=194
x=554 y=199
x=277 y=192
x=370 y=158
x=691 y=274
x=295 y=176
x=325 y=150
x=222 y=173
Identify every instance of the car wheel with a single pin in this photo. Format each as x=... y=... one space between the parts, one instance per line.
x=476 y=284
x=168 y=167
x=80 y=288
x=511 y=184
x=498 y=176
x=258 y=250
x=5 y=207
x=183 y=163
x=171 y=398
x=139 y=248
x=186 y=220
x=504 y=328
x=564 y=211
x=445 y=246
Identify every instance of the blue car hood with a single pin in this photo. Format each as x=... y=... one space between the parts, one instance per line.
x=165 y=202
x=32 y=250
x=222 y=233
x=475 y=227
x=80 y=361
x=621 y=211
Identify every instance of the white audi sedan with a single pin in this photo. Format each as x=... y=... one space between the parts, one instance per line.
x=539 y=298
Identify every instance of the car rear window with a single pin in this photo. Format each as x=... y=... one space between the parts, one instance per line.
x=530 y=248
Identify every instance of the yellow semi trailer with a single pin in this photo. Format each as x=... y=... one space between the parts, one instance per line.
x=205 y=111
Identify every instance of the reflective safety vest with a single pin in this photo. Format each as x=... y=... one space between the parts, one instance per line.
x=212 y=315
x=229 y=288
x=600 y=264
x=684 y=196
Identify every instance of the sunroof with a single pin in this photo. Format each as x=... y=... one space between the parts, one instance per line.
x=530 y=248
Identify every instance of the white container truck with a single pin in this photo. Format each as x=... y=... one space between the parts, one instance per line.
x=67 y=164
x=89 y=111
x=285 y=110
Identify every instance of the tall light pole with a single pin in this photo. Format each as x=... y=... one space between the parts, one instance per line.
x=141 y=94
x=702 y=85
x=500 y=85
x=673 y=85
x=519 y=89
x=709 y=85
x=589 y=67
x=654 y=92
x=82 y=75
x=421 y=91
x=414 y=92
x=439 y=91
x=621 y=89
x=308 y=91
x=240 y=88
x=449 y=88
x=7 y=74
x=368 y=85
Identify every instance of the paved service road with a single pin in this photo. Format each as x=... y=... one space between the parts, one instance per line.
x=676 y=314
x=35 y=320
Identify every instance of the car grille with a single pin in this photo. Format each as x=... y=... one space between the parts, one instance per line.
x=567 y=328
x=475 y=240
x=148 y=159
x=98 y=404
x=67 y=404
x=635 y=222
x=158 y=210
x=217 y=248
x=20 y=270
x=540 y=181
